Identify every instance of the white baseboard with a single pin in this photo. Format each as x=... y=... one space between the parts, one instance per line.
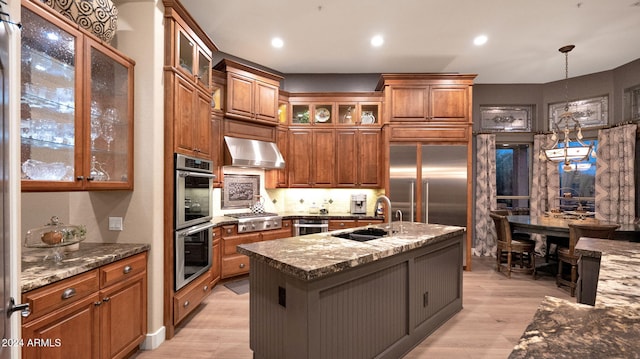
x=153 y=340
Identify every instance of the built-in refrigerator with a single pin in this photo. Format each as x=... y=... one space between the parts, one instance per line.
x=428 y=183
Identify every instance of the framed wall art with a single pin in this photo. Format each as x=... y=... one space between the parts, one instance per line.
x=631 y=111
x=239 y=190
x=512 y=118
x=591 y=112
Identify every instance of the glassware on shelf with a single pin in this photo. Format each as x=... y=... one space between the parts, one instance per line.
x=97 y=172
x=43 y=171
x=54 y=235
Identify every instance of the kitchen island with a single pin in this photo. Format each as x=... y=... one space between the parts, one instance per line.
x=321 y=296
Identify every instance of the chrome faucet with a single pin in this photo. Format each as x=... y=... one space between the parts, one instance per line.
x=399 y=216
x=387 y=201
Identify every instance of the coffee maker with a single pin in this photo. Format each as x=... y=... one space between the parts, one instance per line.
x=358 y=204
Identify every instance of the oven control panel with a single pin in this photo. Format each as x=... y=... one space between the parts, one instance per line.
x=259 y=224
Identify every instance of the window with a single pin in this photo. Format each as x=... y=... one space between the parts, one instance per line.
x=578 y=186
x=512 y=175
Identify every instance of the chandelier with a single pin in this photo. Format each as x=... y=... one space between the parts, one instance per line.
x=566 y=124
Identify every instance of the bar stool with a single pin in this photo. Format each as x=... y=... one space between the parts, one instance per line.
x=567 y=255
x=512 y=246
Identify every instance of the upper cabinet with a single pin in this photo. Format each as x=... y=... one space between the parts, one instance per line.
x=190 y=92
x=335 y=109
x=192 y=58
x=76 y=107
x=252 y=94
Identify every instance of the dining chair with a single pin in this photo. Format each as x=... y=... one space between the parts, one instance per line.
x=513 y=248
x=567 y=254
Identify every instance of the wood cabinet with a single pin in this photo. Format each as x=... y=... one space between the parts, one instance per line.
x=233 y=263
x=97 y=314
x=216 y=266
x=358 y=158
x=192 y=118
x=311 y=157
x=77 y=107
x=252 y=94
x=187 y=299
x=279 y=178
x=192 y=58
x=433 y=103
x=335 y=109
x=336 y=224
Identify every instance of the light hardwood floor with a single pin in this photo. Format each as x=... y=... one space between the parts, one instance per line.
x=496 y=311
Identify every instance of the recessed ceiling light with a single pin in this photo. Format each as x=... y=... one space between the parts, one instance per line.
x=480 y=40
x=377 y=41
x=277 y=42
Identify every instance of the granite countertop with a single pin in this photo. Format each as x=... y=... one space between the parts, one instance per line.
x=37 y=272
x=564 y=329
x=315 y=255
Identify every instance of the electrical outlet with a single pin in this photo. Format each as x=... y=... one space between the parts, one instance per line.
x=115 y=224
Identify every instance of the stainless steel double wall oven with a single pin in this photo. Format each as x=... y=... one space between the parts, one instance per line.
x=193 y=239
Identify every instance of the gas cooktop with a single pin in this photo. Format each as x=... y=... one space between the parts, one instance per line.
x=252 y=222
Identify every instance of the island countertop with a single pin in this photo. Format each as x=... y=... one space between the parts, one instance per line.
x=37 y=272
x=609 y=329
x=316 y=255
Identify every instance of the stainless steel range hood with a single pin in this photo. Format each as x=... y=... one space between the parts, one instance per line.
x=242 y=152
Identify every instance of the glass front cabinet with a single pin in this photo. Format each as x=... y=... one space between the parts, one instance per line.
x=76 y=108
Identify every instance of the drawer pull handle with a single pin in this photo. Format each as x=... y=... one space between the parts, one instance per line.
x=68 y=293
x=186 y=304
x=126 y=269
x=241 y=265
x=206 y=287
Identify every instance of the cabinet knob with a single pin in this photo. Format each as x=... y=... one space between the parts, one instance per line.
x=205 y=288
x=341 y=224
x=106 y=299
x=90 y=178
x=242 y=265
x=97 y=303
x=79 y=178
x=186 y=303
x=127 y=269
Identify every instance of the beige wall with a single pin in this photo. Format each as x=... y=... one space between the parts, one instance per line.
x=141 y=37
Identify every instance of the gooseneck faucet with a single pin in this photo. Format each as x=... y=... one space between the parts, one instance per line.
x=387 y=201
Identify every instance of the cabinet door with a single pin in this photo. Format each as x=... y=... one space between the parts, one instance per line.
x=449 y=104
x=123 y=317
x=216 y=149
x=408 y=104
x=71 y=332
x=240 y=96
x=109 y=148
x=266 y=102
x=217 y=257
x=51 y=95
x=300 y=142
x=183 y=115
x=202 y=125
x=279 y=178
x=369 y=158
x=185 y=52
x=323 y=158
x=204 y=68
x=347 y=159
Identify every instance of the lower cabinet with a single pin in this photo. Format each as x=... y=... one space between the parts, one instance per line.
x=233 y=263
x=97 y=314
x=189 y=297
x=336 y=224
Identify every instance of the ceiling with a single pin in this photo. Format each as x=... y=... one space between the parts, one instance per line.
x=333 y=36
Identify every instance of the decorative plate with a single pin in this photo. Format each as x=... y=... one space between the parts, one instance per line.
x=322 y=114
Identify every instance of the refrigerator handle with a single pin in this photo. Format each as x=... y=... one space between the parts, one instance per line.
x=413 y=200
x=426 y=200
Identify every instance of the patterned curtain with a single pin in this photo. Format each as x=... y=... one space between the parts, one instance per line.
x=546 y=184
x=485 y=240
x=615 y=188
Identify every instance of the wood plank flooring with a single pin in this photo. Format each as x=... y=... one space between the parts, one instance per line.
x=496 y=311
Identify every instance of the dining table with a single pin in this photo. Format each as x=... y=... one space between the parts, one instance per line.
x=558 y=226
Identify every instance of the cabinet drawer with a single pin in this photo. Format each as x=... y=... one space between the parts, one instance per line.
x=51 y=297
x=368 y=222
x=188 y=298
x=122 y=269
x=235 y=265
x=342 y=224
x=230 y=243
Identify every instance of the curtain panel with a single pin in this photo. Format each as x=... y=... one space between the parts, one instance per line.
x=615 y=184
x=485 y=196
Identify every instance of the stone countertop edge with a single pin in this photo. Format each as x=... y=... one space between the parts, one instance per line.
x=316 y=255
x=37 y=272
x=561 y=328
x=224 y=220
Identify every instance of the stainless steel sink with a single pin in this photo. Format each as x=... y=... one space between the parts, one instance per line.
x=363 y=235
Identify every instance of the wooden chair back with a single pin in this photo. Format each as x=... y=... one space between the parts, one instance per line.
x=503 y=228
x=592 y=230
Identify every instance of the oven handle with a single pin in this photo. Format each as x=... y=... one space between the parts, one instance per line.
x=195 y=229
x=324 y=225
x=184 y=174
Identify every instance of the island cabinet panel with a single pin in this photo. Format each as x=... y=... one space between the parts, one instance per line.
x=377 y=309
